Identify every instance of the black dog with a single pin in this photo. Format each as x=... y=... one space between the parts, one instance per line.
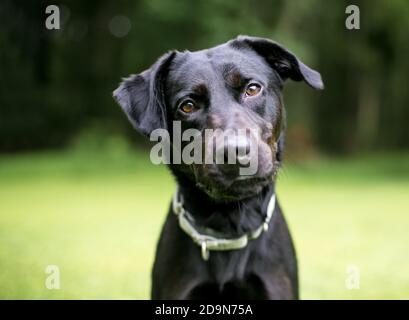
x=218 y=240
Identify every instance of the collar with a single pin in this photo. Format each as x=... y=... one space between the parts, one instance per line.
x=208 y=241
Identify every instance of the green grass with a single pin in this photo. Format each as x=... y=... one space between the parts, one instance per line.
x=97 y=216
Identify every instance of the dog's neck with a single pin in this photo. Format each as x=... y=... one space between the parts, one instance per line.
x=232 y=218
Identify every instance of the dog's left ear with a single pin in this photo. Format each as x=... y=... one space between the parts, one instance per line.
x=141 y=96
x=286 y=64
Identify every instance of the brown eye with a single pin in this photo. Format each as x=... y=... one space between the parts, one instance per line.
x=253 y=89
x=187 y=106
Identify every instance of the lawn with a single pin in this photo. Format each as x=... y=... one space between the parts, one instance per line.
x=97 y=216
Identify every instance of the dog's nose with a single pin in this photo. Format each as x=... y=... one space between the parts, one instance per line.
x=237 y=151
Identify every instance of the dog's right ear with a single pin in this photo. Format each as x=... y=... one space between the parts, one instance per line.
x=142 y=97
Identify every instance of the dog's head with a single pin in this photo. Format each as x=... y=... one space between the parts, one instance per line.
x=234 y=89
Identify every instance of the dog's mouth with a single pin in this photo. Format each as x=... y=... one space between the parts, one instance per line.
x=248 y=181
x=225 y=182
x=235 y=189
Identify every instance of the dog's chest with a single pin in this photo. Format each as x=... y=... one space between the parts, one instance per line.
x=227 y=266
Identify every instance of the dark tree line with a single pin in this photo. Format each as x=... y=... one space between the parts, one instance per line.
x=56 y=84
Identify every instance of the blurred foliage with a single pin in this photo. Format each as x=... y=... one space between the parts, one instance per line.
x=54 y=84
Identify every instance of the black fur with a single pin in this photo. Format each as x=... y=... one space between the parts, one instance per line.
x=215 y=79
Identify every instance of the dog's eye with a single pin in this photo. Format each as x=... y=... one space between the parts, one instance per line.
x=187 y=106
x=253 y=89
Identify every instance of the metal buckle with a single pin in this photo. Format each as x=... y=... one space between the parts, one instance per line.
x=265 y=226
x=205 y=252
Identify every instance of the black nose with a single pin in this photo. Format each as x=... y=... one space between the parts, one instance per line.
x=237 y=151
